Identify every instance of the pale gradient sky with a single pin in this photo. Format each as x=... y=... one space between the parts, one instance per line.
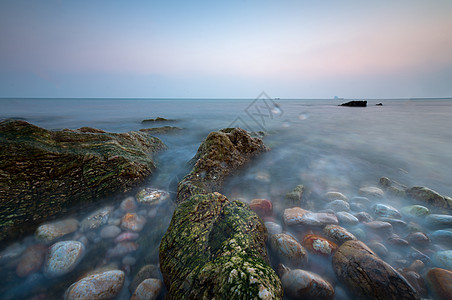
x=289 y=49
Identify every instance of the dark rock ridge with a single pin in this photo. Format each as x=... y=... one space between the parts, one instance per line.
x=355 y=103
x=161 y=130
x=44 y=173
x=214 y=247
x=158 y=119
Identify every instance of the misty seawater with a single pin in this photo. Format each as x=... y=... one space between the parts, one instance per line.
x=313 y=142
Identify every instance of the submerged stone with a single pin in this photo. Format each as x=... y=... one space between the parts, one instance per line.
x=106 y=285
x=384 y=210
x=262 y=207
x=338 y=234
x=366 y=275
x=335 y=196
x=293 y=215
x=346 y=218
x=443 y=236
x=273 y=228
x=338 y=205
x=415 y=211
x=438 y=220
x=52 y=231
x=31 y=260
x=63 y=257
x=96 y=219
x=149 y=289
x=133 y=222
x=152 y=196
x=372 y=191
x=288 y=250
x=301 y=284
x=443 y=259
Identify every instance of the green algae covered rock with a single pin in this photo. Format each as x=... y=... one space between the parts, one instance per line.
x=215 y=248
x=221 y=153
x=44 y=173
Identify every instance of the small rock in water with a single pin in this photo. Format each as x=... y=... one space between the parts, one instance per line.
x=396 y=240
x=363 y=217
x=273 y=228
x=126 y=237
x=51 y=231
x=288 y=249
x=105 y=285
x=149 y=289
x=335 y=196
x=414 y=211
x=379 y=226
x=443 y=259
x=122 y=249
x=292 y=216
x=443 y=236
x=437 y=220
x=358 y=207
x=338 y=205
x=419 y=238
x=129 y=204
x=372 y=191
x=440 y=283
x=31 y=260
x=110 y=232
x=416 y=281
x=301 y=284
x=384 y=210
x=129 y=260
x=317 y=219
x=346 y=218
x=63 y=257
x=96 y=219
x=147 y=271
x=397 y=224
x=152 y=196
x=318 y=245
x=11 y=252
x=132 y=221
x=262 y=207
x=338 y=234
x=379 y=248
x=361 y=200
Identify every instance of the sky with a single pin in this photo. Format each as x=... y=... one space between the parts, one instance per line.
x=225 y=49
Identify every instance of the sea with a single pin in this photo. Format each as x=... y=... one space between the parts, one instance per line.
x=313 y=142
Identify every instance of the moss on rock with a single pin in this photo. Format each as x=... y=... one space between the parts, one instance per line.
x=215 y=248
x=44 y=173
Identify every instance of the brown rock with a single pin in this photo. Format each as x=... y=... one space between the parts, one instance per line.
x=428 y=196
x=262 y=207
x=301 y=284
x=440 y=283
x=31 y=260
x=364 y=273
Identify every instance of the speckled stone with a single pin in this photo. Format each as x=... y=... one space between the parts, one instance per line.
x=152 y=196
x=149 y=289
x=384 y=210
x=288 y=249
x=338 y=234
x=96 y=219
x=318 y=245
x=292 y=215
x=63 y=257
x=52 y=231
x=106 y=285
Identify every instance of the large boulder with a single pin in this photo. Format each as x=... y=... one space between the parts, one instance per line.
x=368 y=276
x=215 y=248
x=221 y=153
x=44 y=173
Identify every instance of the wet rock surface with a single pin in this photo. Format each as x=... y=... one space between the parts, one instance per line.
x=215 y=247
x=301 y=284
x=45 y=173
x=364 y=273
x=106 y=285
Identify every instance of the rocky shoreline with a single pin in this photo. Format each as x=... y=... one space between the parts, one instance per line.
x=387 y=241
